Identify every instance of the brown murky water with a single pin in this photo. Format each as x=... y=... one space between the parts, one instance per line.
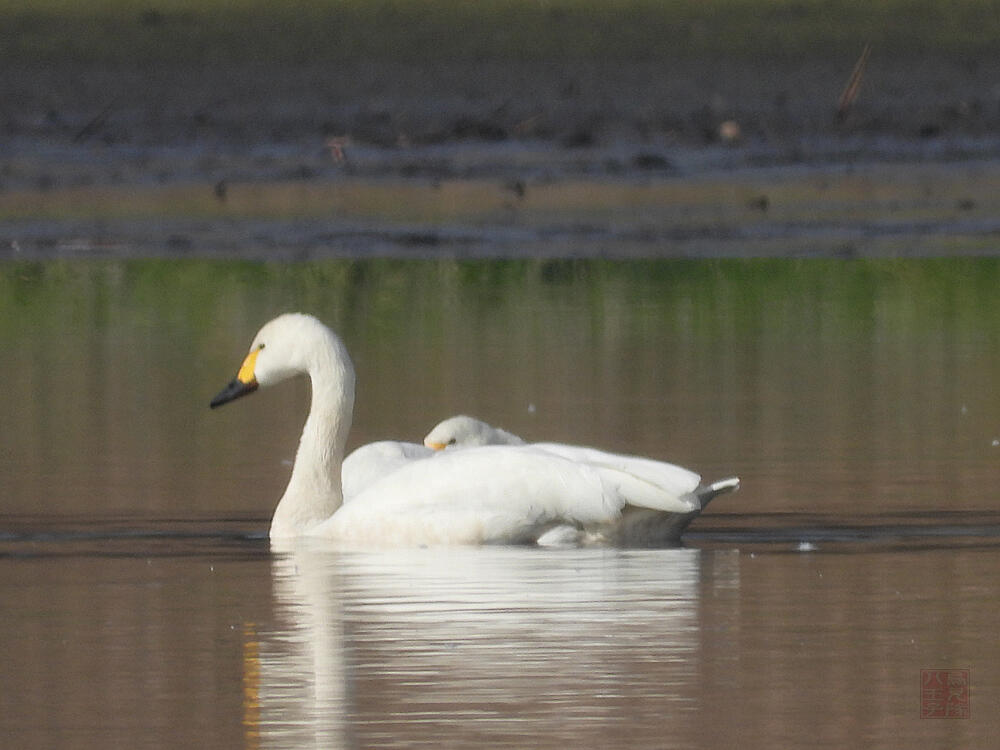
x=143 y=607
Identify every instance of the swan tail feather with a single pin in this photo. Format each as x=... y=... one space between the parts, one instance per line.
x=711 y=491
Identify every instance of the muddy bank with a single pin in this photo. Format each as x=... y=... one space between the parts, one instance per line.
x=169 y=122
x=873 y=209
x=207 y=131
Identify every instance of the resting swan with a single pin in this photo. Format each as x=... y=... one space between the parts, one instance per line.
x=464 y=432
x=491 y=494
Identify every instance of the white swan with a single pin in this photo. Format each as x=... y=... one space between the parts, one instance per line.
x=499 y=494
x=463 y=432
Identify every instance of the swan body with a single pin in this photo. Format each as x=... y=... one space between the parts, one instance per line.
x=488 y=494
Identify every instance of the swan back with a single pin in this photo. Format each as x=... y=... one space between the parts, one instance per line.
x=667 y=477
x=369 y=463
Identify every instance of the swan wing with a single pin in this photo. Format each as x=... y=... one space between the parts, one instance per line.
x=499 y=494
x=672 y=485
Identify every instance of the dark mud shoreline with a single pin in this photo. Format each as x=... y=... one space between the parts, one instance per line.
x=217 y=130
x=283 y=117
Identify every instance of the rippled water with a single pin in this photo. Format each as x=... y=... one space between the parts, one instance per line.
x=144 y=607
x=220 y=643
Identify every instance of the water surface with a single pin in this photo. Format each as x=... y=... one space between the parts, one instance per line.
x=232 y=647
x=143 y=606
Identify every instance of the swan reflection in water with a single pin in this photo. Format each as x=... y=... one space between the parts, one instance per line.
x=488 y=646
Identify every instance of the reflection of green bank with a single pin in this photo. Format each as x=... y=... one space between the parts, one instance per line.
x=717 y=299
x=108 y=31
x=882 y=368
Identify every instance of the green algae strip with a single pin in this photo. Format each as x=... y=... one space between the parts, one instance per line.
x=230 y=32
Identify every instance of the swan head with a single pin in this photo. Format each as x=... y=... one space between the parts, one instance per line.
x=464 y=432
x=287 y=346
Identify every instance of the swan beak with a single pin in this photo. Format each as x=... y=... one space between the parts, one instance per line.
x=436 y=446
x=245 y=382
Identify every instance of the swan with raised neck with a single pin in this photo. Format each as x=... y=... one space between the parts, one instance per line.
x=297 y=344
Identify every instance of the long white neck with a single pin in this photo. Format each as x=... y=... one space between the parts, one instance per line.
x=314 y=490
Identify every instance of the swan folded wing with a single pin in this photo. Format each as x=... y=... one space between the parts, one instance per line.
x=669 y=480
x=501 y=494
x=635 y=490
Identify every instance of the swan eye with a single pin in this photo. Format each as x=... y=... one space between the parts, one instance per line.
x=452 y=441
